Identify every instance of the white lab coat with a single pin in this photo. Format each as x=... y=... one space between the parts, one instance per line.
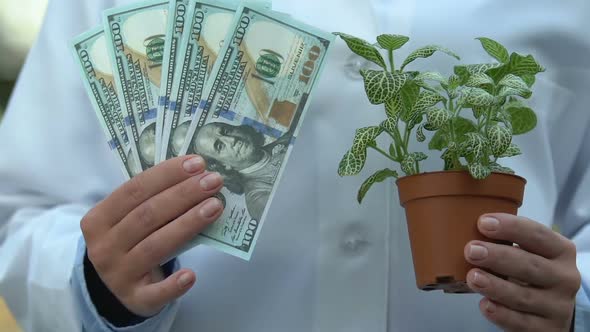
x=323 y=262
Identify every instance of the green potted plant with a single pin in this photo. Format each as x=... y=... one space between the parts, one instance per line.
x=471 y=117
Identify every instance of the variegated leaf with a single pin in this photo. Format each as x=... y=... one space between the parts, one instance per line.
x=478 y=111
x=495 y=167
x=425 y=52
x=431 y=76
x=394 y=106
x=392 y=42
x=418 y=156
x=475 y=145
x=363 y=48
x=479 y=171
x=381 y=86
x=479 y=97
x=352 y=163
x=379 y=176
x=468 y=70
x=438 y=117
x=425 y=100
x=408 y=165
x=509 y=91
x=366 y=135
x=512 y=151
x=420 y=137
x=479 y=79
x=495 y=49
x=513 y=81
x=499 y=138
x=389 y=125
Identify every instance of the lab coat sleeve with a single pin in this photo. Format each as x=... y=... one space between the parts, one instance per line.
x=54 y=166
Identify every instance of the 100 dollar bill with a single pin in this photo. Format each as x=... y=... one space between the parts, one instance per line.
x=250 y=115
x=135 y=41
x=95 y=67
x=209 y=24
x=207 y=28
x=182 y=11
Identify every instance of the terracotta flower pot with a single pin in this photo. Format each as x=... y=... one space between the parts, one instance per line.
x=442 y=209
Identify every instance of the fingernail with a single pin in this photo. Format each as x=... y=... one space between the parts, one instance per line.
x=211 y=181
x=194 y=165
x=210 y=208
x=490 y=224
x=490 y=306
x=477 y=252
x=184 y=280
x=480 y=280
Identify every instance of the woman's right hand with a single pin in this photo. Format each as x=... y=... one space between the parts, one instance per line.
x=145 y=221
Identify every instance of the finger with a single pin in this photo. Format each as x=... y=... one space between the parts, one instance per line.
x=513 y=262
x=156 y=212
x=147 y=184
x=516 y=297
x=163 y=243
x=510 y=320
x=151 y=298
x=529 y=235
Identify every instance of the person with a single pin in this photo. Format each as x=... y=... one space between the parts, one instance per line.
x=248 y=166
x=81 y=249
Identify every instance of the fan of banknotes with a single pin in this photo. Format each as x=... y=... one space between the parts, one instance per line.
x=228 y=81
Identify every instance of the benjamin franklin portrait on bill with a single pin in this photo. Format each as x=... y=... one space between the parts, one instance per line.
x=239 y=153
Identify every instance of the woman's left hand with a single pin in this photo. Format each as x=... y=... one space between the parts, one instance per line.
x=539 y=294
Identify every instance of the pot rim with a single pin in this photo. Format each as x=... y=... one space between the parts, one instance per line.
x=457 y=171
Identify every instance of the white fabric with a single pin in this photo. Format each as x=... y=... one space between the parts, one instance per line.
x=323 y=262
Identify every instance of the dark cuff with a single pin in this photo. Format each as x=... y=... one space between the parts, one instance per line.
x=106 y=303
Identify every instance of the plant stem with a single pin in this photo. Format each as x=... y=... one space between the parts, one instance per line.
x=456 y=161
x=384 y=153
x=391 y=62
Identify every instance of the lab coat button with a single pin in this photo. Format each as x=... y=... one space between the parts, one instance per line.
x=355 y=240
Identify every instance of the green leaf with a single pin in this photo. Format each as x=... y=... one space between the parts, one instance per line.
x=392 y=42
x=420 y=137
x=479 y=79
x=462 y=126
x=495 y=49
x=478 y=111
x=523 y=120
x=438 y=117
x=479 y=97
x=392 y=150
x=425 y=52
x=363 y=49
x=381 y=86
x=409 y=95
x=512 y=151
x=499 y=138
x=524 y=65
x=379 y=176
x=394 y=106
x=529 y=80
x=479 y=171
